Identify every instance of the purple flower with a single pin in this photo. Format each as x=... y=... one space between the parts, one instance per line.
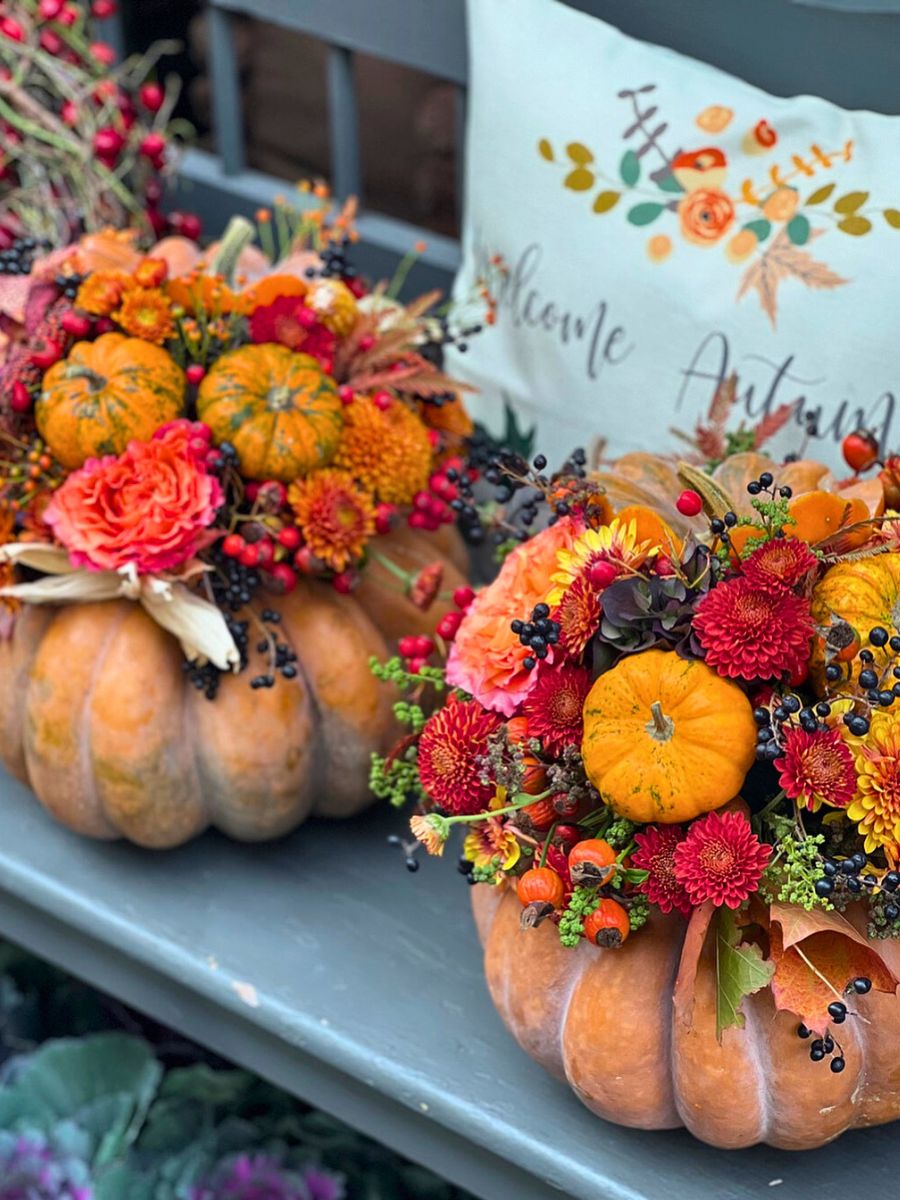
x=264 y=1177
x=32 y=1169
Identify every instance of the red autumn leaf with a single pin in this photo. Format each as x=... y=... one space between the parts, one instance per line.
x=816 y=955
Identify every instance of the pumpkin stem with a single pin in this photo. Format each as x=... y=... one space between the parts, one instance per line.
x=661 y=727
x=239 y=234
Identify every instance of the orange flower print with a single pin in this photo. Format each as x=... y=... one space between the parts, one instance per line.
x=705 y=215
x=741 y=245
x=715 y=118
x=659 y=247
x=700 y=168
x=781 y=205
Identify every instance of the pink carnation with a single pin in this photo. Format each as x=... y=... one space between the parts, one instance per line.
x=150 y=507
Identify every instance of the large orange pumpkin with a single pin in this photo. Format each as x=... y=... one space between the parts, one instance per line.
x=279 y=410
x=98 y=717
x=665 y=738
x=105 y=394
x=633 y=1031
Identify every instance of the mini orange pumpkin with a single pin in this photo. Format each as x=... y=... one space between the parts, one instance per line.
x=105 y=394
x=665 y=738
x=280 y=411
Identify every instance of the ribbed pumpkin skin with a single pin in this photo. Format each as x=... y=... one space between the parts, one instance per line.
x=105 y=394
x=279 y=410
x=633 y=1032
x=864 y=593
x=700 y=766
x=98 y=718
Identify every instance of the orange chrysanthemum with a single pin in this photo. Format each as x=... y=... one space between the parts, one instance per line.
x=578 y=615
x=388 y=450
x=876 y=806
x=335 y=516
x=102 y=292
x=145 y=313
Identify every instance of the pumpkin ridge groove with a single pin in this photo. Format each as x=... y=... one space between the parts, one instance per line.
x=85 y=753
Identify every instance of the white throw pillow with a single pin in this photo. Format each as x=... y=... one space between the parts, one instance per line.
x=663 y=225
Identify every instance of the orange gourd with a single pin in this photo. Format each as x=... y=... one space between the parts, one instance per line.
x=105 y=394
x=864 y=594
x=279 y=410
x=819 y=515
x=633 y=1032
x=607 y=925
x=665 y=738
x=98 y=717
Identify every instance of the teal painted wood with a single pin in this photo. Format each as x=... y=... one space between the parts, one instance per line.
x=323 y=965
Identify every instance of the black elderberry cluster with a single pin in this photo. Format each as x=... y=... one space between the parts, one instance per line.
x=18 y=258
x=467 y=517
x=409 y=851
x=206 y=677
x=772 y=722
x=222 y=457
x=844 y=877
x=538 y=634
x=69 y=284
x=720 y=526
x=334 y=264
x=284 y=659
x=825 y=1047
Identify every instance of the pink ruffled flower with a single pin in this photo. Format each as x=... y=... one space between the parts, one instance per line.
x=487 y=657
x=150 y=507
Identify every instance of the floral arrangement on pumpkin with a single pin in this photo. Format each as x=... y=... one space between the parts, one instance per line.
x=681 y=696
x=84 y=142
x=190 y=430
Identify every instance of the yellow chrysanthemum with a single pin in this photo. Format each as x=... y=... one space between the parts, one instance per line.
x=876 y=806
x=615 y=543
x=145 y=313
x=388 y=450
x=491 y=839
x=335 y=516
x=334 y=304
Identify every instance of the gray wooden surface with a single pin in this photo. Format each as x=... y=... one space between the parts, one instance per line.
x=321 y=963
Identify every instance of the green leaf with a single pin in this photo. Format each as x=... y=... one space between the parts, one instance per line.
x=798 y=230
x=630 y=168
x=579 y=180
x=762 y=228
x=545 y=150
x=643 y=214
x=740 y=971
x=892 y=216
x=605 y=201
x=850 y=202
x=855 y=226
x=669 y=183
x=821 y=194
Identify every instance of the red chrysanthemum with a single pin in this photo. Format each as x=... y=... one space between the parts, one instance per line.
x=750 y=633
x=452 y=745
x=721 y=859
x=817 y=768
x=578 y=614
x=779 y=563
x=288 y=321
x=656 y=854
x=555 y=707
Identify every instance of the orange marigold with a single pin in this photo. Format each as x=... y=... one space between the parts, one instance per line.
x=388 y=451
x=102 y=292
x=335 y=516
x=145 y=313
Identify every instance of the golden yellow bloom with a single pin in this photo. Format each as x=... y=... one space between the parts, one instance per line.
x=334 y=304
x=388 y=451
x=876 y=806
x=491 y=839
x=146 y=313
x=615 y=543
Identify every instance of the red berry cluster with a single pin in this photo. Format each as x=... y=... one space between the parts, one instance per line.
x=416 y=651
x=449 y=624
x=433 y=508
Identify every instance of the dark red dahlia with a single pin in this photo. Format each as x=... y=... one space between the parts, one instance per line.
x=779 y=563
x=817 y=768
x=452 y=745
x=554 y=707
x=288 y=321
x=752 y=633
x=656 y=855
x=721 y=859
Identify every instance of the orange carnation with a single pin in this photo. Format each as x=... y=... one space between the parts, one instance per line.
x=487 y=657
x=705 y=215
x=145 y=313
